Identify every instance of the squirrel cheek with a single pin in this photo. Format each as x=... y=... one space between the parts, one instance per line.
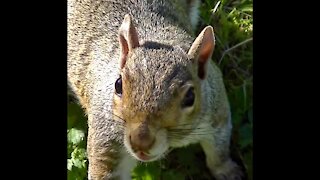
x=168 y=122
x=170 y=118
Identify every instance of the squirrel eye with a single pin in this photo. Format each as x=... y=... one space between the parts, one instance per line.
x=189 y=98
x=118 y=86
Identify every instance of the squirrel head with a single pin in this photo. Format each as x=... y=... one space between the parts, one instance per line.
x=158 y=92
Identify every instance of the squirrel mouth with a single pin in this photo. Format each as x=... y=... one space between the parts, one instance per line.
x=143 y=156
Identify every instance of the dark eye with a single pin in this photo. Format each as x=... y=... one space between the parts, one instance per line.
x=189 y=98
x=118 y=86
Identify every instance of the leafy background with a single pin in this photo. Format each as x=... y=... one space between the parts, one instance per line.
x=232 y=22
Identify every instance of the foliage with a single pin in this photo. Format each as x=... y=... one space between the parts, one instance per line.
x=76 y=134
x=232 y=22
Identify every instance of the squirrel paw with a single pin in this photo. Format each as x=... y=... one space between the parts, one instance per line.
x=228 y=171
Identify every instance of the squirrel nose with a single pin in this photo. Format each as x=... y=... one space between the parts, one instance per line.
x=141 y=139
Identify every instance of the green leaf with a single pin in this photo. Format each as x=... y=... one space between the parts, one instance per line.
x=75 y=136
x=69 y=164
x=79 y=153
x=77 y=166
x=246 y=7
x=77 y=163
x=147 y=171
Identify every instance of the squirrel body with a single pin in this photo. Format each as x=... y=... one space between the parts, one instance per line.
x=146 y=84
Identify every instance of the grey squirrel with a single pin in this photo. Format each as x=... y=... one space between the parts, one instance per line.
x=147 y=84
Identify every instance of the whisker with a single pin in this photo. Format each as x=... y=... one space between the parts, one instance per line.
x=179 y=131
x=189 y=135
x=189 y=129
x=182 y=134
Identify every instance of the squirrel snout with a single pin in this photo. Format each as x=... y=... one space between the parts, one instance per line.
x=141 y=139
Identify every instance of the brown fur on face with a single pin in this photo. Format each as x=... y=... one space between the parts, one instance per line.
x=153 y=90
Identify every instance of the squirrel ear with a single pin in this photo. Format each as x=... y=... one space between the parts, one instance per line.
x=128 y=38
x=202 y=49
